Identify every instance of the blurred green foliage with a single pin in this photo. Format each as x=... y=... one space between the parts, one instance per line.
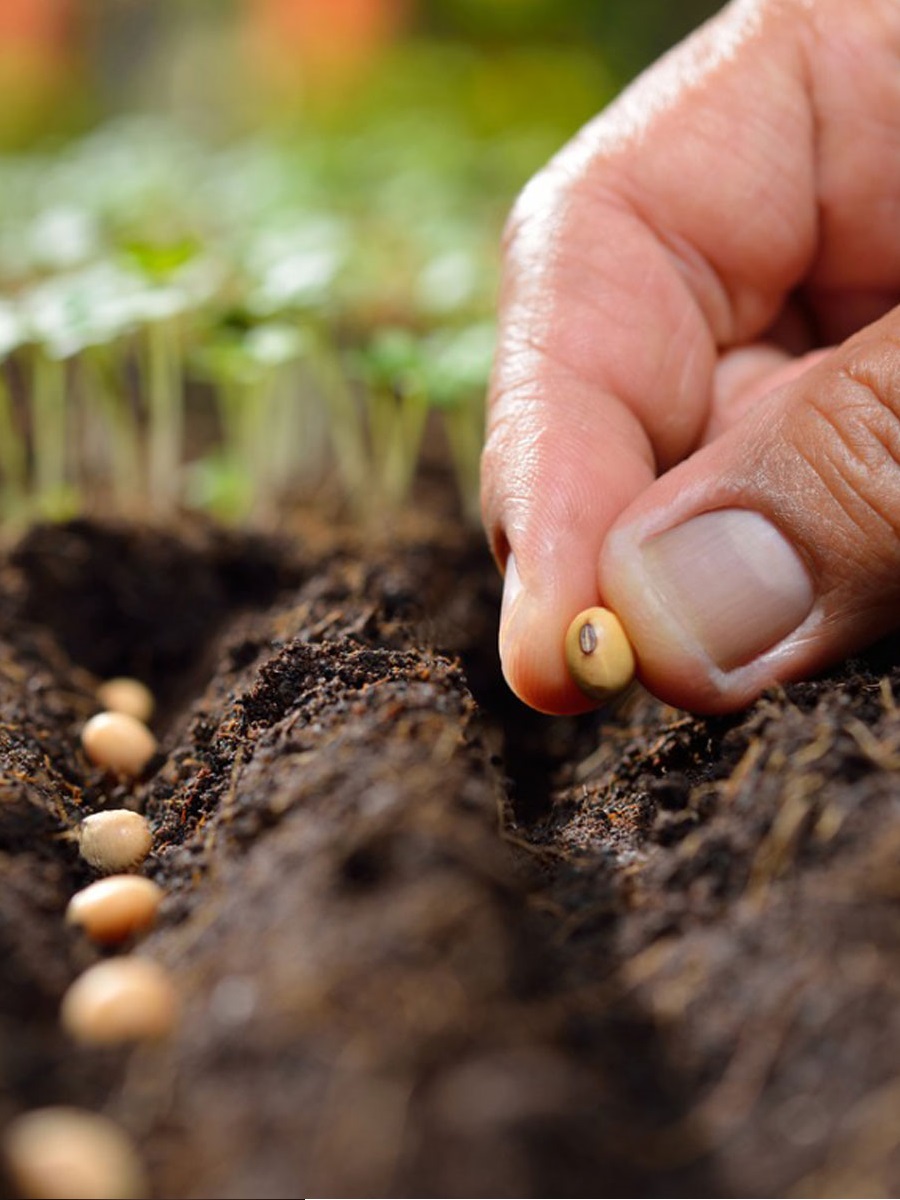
x=627 y=34
x=227 y=321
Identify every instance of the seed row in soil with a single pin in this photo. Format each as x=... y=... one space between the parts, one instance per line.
x=61 y=1150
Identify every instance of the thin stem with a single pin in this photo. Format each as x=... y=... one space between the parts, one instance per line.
x=464 y=424
x=256 y=458
x=233 y=463
x=380 y=410
x=299 y=428
x=345 y=423
x=106 y=398
x=286 y=444
x=401 y=460
x=13 y=454
x=165 y=434
x=48 y=436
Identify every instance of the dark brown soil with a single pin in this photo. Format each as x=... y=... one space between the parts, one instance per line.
x=428 y=943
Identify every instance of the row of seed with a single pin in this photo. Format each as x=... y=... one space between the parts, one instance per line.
x=62 y=1151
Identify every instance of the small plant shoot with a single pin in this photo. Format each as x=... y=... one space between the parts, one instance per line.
x=227 y=328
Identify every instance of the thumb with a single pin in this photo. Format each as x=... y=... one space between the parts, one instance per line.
x=774 y=550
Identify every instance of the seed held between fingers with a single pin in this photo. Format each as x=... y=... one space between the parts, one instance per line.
x=115 y=908
x=129 y=696
x=115 y=840
x=61 y=1151
x=598 y=654
x=118 y=742
x=120 y=1000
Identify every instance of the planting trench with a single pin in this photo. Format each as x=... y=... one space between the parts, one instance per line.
x=430 y=943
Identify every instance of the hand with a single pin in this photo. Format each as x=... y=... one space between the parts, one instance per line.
x=695 y=408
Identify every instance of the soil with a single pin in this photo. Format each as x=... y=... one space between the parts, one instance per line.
x=430 y=943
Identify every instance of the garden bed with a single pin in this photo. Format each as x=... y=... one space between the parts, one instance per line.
x=429 y=943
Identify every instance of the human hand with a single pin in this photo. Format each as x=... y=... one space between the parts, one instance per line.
x=695 y=406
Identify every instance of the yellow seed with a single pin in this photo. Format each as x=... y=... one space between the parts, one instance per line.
x=598 y=653
x=114 y=840
x=53 y=1152
x=118 y=742
x=120 y=1000
x=113 y=909
x=129 y=696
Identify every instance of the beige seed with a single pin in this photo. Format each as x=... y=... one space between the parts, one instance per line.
x=113 y=909
x=120 y=1000
x=129 y=696
x=598 y=653
x=53 y=1152
x=114 y=840
x=118 y=742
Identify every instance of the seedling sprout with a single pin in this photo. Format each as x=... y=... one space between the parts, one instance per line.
x=329 y=289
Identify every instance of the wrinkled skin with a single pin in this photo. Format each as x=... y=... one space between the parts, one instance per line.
x=698 y=314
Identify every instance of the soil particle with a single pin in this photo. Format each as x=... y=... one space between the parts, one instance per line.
x=428 y=943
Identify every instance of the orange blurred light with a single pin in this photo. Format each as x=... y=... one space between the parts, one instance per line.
x=326 y=37
x=45 y=23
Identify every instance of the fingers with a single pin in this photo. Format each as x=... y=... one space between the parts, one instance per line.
x=746 y=377
x=551 y=575
x=774 y=550
x=610 y=318
x=757 y=157
x=611 y=315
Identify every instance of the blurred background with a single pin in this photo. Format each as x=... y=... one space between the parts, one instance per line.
x=229 y=64
x=246 y=245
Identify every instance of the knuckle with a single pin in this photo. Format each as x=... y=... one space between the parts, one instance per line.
x=534 y=485
x=504 y=483
x=854 y=443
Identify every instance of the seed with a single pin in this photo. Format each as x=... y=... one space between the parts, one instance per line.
x=598 y=653
x=114 y=840
x=118 y=742
x=113 y=909
x=129 y=696
x=120 y=1000
x=70 y=1152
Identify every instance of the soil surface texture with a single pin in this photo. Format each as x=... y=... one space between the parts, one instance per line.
x=429 y=943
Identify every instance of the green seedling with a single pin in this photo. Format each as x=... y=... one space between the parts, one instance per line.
x=294 y=268
x=458 y=364
x=112 y=442
x=289 y=440
x=13 y=445
x=75 y=322
x=361 y=256
x=161 y=348
x=390 y=370
x=175 y=281
x=55 y=496
x=345 y=422
x=266 y=443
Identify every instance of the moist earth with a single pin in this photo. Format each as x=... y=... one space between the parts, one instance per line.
x=429 y=943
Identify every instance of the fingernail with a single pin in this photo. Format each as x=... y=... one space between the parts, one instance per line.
x=512 y=589
x=732 y=581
